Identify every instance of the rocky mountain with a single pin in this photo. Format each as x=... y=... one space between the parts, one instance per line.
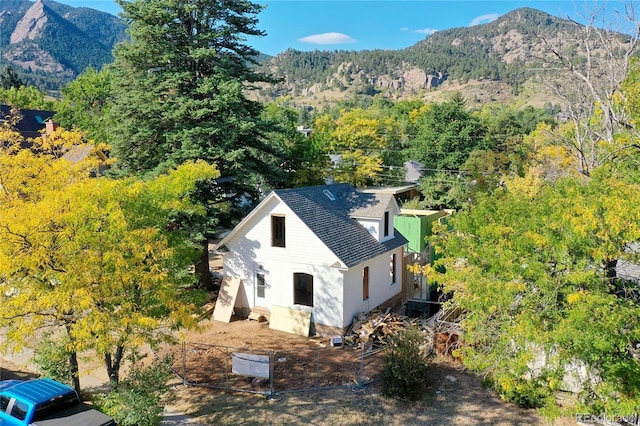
x=489 y=62
x=49 y=43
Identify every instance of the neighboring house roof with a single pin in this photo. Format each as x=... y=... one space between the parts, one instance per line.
x=414 y=170
x=32 y=123
x=329 y=211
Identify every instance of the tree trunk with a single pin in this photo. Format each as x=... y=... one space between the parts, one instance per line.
x=610 y=270
x=73 y=363
x=75 y=371
x=202 y=268
x=113 y=366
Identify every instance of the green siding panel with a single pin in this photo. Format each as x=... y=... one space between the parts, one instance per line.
x=416 y=229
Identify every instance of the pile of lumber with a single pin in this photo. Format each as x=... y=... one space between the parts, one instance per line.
x=376 y=327
x=372 y=331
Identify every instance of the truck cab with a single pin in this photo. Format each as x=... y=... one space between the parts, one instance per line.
x=45 y=402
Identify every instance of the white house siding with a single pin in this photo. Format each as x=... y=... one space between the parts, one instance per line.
x=248 y=252
x=375 y=226
x=327 y=290
x=371 y=225
x=380 y=287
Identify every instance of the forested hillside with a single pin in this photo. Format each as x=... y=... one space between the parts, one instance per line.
x=49 y=43
x=499 y=54
x=486 y=63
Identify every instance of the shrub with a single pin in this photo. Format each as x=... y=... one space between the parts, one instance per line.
x=405 y=366
x=532 y=393
x=138 y=399
x=51 y=358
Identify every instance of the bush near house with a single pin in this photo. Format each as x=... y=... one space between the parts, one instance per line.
x=405 y=366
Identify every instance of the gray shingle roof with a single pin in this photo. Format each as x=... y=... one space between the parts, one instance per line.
x=331 y=220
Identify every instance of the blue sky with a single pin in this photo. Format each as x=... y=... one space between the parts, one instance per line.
x=373 y=24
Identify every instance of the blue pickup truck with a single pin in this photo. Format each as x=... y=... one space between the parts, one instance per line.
x=45 y=402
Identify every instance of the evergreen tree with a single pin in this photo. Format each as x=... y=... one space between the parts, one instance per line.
x=9 y=78
x=180 y=91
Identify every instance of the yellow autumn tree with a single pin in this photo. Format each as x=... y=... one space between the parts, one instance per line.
x=360 y=137
x=102 y=262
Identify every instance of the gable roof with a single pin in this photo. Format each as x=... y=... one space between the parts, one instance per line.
x=329 y=212
x=414 y=171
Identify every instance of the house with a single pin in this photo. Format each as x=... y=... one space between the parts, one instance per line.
x=32 y=122
x=401 y=193
x=329 y=251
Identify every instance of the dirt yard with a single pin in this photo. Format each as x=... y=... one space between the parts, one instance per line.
x=453 y=396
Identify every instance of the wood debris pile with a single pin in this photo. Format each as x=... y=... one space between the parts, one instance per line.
x=375 y=328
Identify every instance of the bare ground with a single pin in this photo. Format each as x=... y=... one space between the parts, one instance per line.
x=453 y=396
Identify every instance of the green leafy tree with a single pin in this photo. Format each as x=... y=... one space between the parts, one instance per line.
x=51 y=358
x=25 y=97
x=361 y=137
x=86 y=103
x=446 y=133
x=180 y=88
x=304 y=162
x=534 y=269
x=506 y=128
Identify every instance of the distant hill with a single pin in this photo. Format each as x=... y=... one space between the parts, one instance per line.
x=486 y=63
x=49 y=43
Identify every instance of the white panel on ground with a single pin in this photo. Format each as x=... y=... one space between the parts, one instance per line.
x=250 y=365
x=290 y=320
x=226 y=299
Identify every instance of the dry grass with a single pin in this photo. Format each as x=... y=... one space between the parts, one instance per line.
x=452 y=397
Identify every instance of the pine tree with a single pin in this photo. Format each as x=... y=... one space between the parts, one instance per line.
x=180 y=89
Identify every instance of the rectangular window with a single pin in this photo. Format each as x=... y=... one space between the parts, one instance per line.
x=392 y=268
x=4 y=403
x=386 y=224
x=302 y=289
x=260 y=285
x=19 y=410
x=365 y=283
x=277 y=231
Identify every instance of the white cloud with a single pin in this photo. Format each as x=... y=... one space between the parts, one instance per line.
x=327 y=38
x=483 y=19
x=404 y=29
x=428 y=31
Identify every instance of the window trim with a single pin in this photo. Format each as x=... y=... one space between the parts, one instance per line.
x=261 y=284
x=278 y=226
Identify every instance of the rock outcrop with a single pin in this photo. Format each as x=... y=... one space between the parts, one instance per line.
x=31 y=24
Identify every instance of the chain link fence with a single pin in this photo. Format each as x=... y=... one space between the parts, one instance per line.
x=274 y=372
